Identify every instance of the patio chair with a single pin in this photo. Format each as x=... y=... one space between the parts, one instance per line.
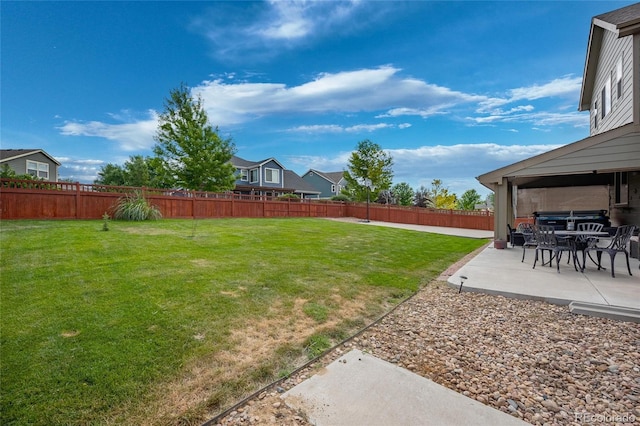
x=515 y=235
x=547 y=240
x=618 y=244
x=529 y=236
x=582 y=241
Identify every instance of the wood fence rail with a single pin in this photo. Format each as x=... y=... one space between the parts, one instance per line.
x=30 y=199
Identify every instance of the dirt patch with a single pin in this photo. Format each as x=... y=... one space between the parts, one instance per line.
x=252 y=344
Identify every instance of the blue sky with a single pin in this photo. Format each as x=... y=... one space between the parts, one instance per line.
x=451 y=89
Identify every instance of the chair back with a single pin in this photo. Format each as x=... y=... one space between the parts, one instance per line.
x=546 y=236
x=590 y=227
x=622 y=237
x=525 y=228
x=586 y=240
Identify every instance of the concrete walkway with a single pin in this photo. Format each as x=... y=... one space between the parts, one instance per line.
x=360 y=389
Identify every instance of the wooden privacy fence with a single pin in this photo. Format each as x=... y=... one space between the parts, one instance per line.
x=25 y=199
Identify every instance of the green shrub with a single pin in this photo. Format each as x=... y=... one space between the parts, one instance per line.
x=340 y=197
x=286 y=197
x=135 y=207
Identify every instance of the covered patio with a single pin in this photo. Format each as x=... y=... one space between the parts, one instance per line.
x=501 y=272
x=601 y=172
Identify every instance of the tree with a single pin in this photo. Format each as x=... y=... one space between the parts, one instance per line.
x=422 y=198
x=368 y=166
x=403 y=194
x=190 y=148
x=136 y=172
x=111 y=174
x=469 y=199
x=386 y=197
x=441 y=197
x=490 y=200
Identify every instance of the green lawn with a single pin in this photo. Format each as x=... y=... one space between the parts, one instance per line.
x=97 y=326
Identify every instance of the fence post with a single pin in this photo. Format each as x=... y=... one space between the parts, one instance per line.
x=78 y=203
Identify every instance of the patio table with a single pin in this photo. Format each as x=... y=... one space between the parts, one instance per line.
x=573 y=235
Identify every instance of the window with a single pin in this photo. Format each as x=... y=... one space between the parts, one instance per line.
x=272 y=175
x=621 y=188
x=253 y=176
x=595 y=114
x=244 y=175
x=38 y=169
x=333 y=188
x=619 y=78
x=606 y=98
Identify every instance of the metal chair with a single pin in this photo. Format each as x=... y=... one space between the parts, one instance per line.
x=618 y=244
x=547 y=240
x=584 y=241
x=528 y=232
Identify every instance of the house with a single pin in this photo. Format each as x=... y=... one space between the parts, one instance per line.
x=329 y=184
x=269 y=177
x=34 y=162
x=601 y=171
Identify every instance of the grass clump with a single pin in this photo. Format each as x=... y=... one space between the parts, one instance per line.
x=316 y=345
x=136 y=207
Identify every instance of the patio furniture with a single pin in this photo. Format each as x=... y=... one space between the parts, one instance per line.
x=529 y=236
x=618 y=245
x=515 y=234
x=584 y=241
x=548 y=240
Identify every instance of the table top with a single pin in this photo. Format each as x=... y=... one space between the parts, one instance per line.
x=582 y=233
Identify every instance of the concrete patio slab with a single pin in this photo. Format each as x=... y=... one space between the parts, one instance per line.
x=498 y=271
x=360 y=389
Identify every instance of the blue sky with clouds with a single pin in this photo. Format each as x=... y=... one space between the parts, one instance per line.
x=452 y=89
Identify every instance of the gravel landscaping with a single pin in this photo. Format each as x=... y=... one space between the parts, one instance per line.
x=531 y=359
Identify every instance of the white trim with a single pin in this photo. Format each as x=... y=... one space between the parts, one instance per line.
x=41 y=169
x=254 y=173
x=271 y=170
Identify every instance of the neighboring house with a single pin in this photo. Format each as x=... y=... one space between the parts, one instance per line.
x=269 y=177
x=34 y=162
x=598 y=172
x=329 y=184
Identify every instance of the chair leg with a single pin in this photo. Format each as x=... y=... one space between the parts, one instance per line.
x=524 y=249
x=599 y=257
x=628 y=267
x=535 y=259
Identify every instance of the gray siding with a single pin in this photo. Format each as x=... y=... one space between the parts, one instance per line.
x=621 y=112
x=19 y=165
x=320 y=183
x=271 y=165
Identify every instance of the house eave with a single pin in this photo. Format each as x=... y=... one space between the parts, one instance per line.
x=491 y=179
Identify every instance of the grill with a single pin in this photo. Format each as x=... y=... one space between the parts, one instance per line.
x=560 y=219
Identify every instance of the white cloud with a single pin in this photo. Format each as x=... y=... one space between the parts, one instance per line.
x=334 y=128
x=268 y=28
x=365 y=90
x=380 y=91
x=564 y=87
x=132 y=136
